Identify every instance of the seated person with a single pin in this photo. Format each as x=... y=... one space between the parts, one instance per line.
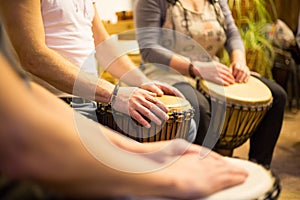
x=211 y=25
x=62 y=40
x=44 y=141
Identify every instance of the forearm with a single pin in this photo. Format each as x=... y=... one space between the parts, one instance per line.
x=24 y=25
x=239 y=56
x=148 y=20
x=112 y=58
x=65 y=76
x=234 y=40
x=44 y=144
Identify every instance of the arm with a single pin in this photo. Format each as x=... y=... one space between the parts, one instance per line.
x=115 y=61
x=43 y=144
x=234 y=46
x=24 y=25
x=112 y=59
x=234 y=40
x=149 y=18
x=23 y=22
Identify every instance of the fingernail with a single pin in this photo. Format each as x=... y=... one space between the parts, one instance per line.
x=148 y=126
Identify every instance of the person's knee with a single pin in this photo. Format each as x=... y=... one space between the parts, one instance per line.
x=204 y=106
x=279 y=96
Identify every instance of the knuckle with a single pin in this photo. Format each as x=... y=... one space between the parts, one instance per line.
x=147 y=113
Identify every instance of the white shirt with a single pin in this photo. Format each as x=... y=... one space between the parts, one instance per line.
x=68 y=30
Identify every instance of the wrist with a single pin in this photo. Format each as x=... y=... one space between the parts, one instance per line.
x=104 y=91
x=114 y=94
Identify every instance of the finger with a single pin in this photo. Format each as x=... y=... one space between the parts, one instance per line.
x=147 y=112
x=226 y=73
x=243 y=75
x=138 y=117
x=177 y=93
x=240 y=77
x=225 y=83
x=218 y=80
x=247 y=77
x=157 y=110
x=145 y=91
x=170 y=90
x=235 y=69
x=153 y=88
x=157 y=90
x=157 y=102
x=166 y=90
x=227 y=80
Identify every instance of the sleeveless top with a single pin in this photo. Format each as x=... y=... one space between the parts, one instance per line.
x=68 y=30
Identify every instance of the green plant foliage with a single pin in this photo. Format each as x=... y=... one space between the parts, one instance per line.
x=251 y=16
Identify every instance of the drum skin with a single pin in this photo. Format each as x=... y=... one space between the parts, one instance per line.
x=245 y=106
x=177 y=126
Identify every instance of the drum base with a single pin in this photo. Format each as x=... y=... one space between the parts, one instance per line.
x=225 y=152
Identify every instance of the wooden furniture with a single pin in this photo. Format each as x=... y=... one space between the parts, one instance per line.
x=119 y=27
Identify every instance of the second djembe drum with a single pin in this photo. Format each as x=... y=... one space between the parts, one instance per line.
x=245 y=107
x=177 y=126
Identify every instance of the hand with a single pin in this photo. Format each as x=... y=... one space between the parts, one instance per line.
x=205 y=172
x=141 y=105
x=214 y=72
x=161 y=88
x=203 y=177
x=240 y=72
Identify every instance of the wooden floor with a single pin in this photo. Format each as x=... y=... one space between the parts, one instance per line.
x=286 y=159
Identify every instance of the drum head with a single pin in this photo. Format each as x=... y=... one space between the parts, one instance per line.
x=175 y=104
x=258 y=183
x=254 y=92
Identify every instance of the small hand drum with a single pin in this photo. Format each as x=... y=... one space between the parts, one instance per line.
x=245 y=105
x=261 y=184
x=177 y=126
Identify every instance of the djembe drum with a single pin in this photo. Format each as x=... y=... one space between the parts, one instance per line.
x=245 y=106
x=177 y=126
x=261 y=184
